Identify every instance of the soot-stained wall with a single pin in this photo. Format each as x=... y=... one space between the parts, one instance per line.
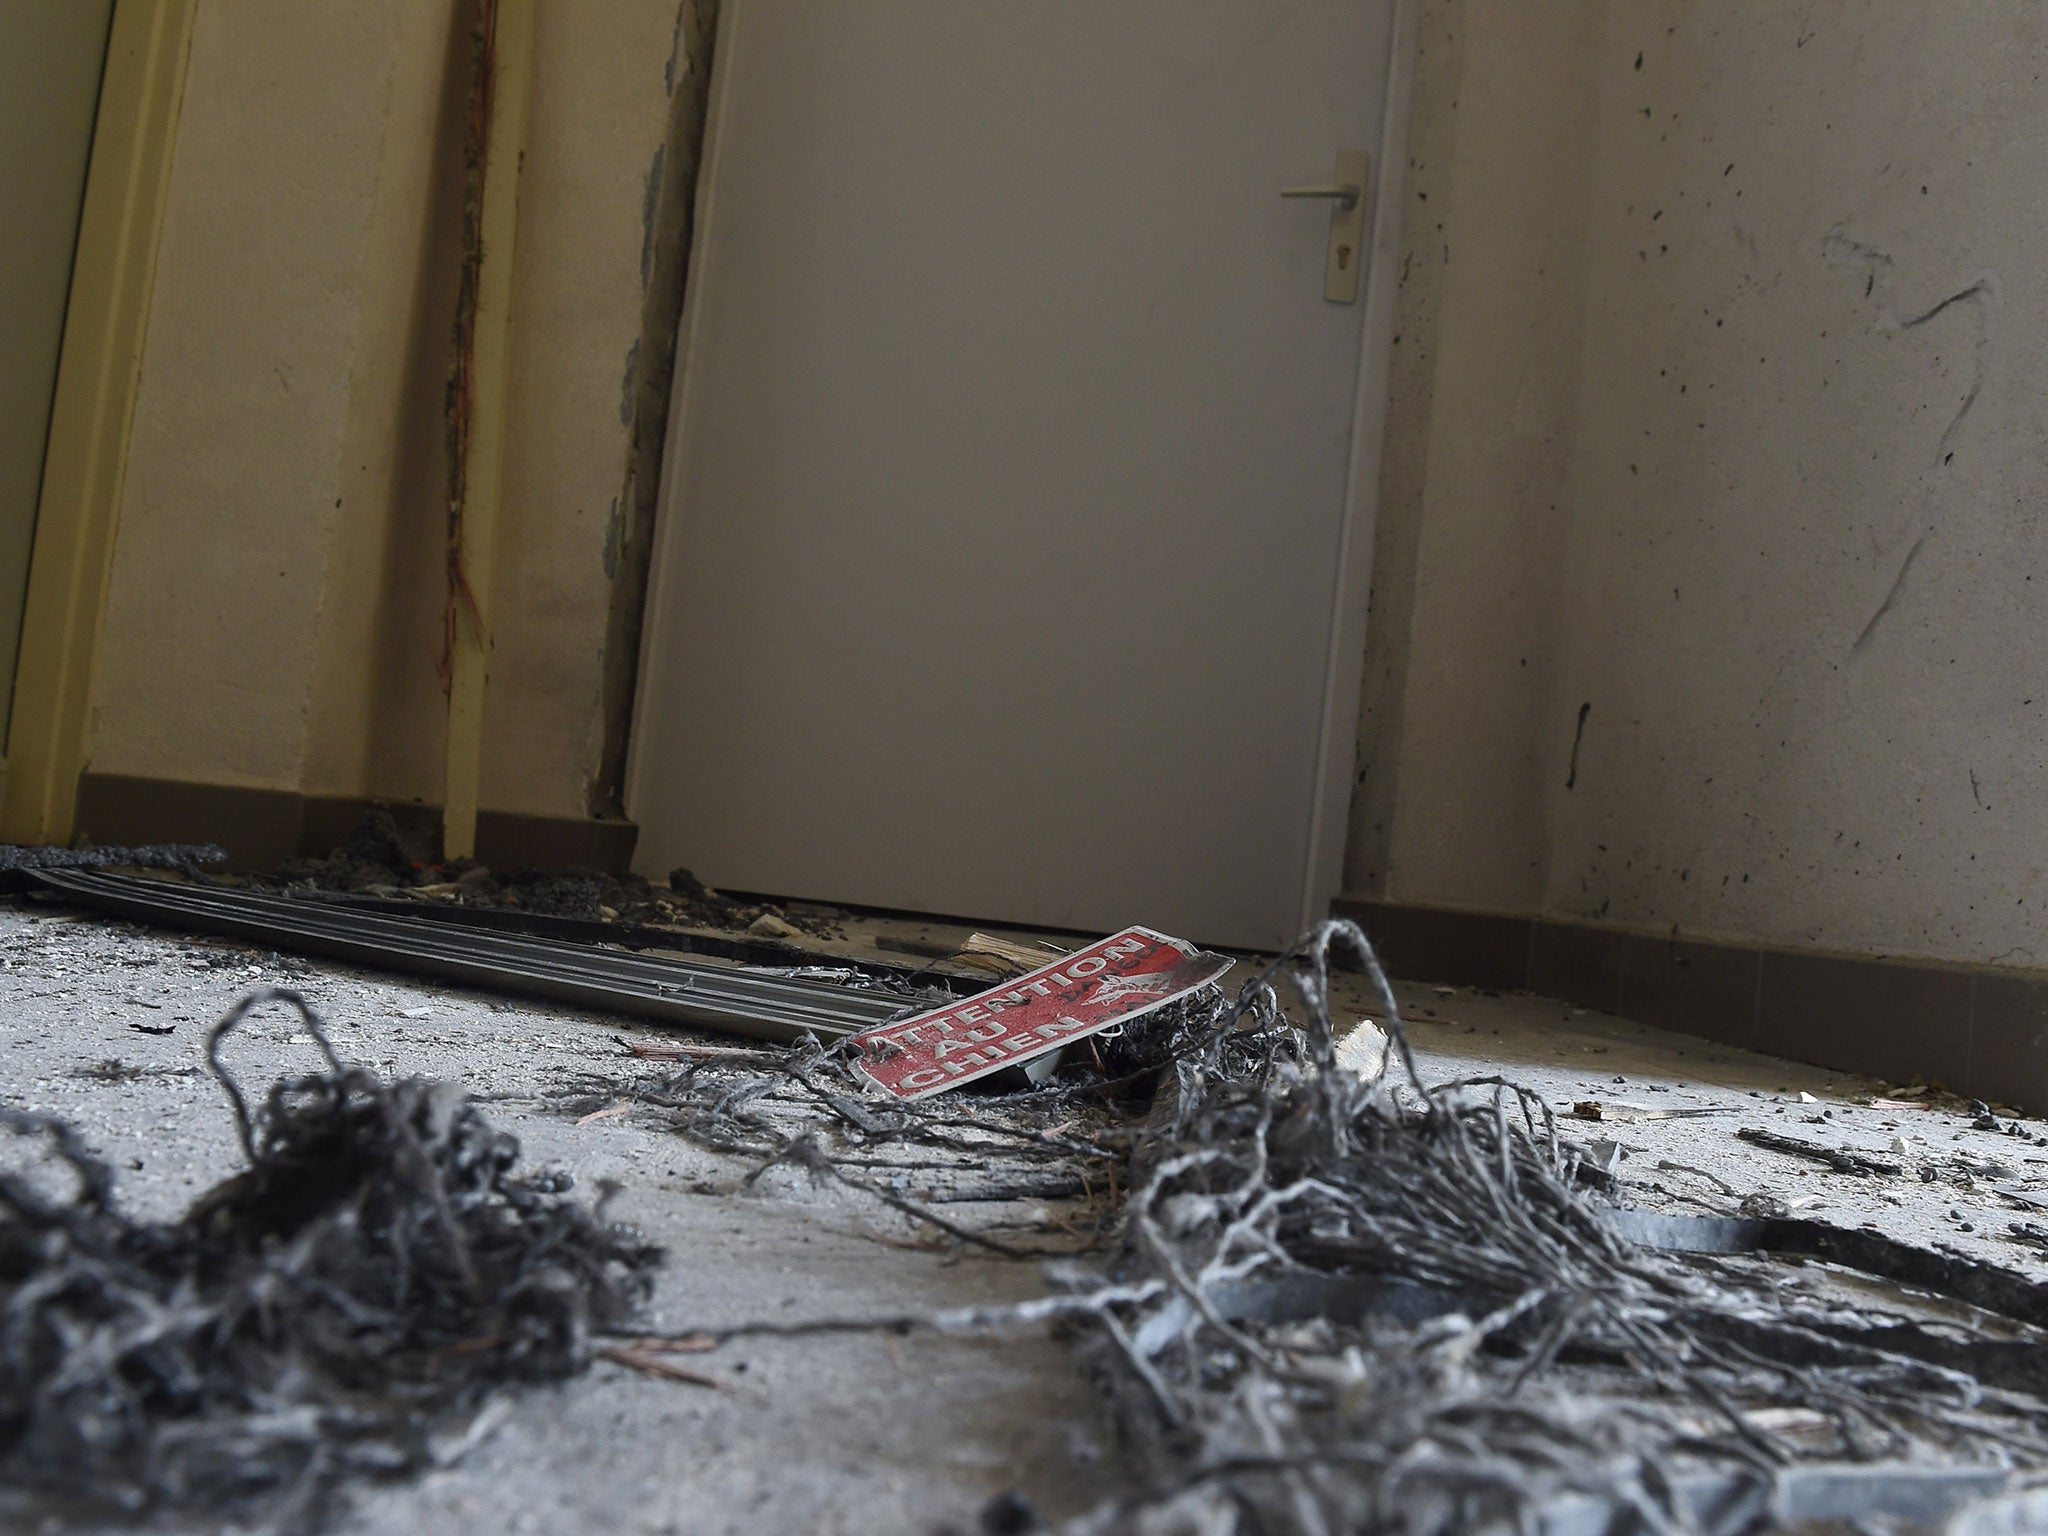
x=1712 y=575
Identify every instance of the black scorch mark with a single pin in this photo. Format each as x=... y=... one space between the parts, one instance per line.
x=1578 y=738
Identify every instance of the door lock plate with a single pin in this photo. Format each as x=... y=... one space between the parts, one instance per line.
x=1346 y=257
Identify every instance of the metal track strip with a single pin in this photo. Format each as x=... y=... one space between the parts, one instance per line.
x=662 y=990
x=742 y=948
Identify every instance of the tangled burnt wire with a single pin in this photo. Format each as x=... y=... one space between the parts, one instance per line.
x=347 y=1304
x=1349 y=1305
x=807 y=1108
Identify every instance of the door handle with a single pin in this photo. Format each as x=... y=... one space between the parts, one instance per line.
x=1345 y=193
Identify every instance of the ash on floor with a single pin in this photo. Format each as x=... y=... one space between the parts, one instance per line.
x=860 y=1432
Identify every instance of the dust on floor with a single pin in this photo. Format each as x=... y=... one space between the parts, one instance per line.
x=861 y=1432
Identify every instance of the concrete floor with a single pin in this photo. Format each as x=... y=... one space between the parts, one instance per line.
x=856 y=1432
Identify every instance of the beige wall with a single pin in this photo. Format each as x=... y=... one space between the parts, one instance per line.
x=1667 y=425
x=1482 y=396
x=1716 y=415
x=278 y=586
x=52 y=53
x=234 y=482
x=376 y=721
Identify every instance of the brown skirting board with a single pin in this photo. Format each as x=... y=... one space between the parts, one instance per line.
x=261 y=828
x=1980 y=1030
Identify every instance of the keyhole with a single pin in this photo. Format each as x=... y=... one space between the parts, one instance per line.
x=1343 y=257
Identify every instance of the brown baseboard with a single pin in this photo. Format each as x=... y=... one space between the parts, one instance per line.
x=262 y=828
x=1980 y=1030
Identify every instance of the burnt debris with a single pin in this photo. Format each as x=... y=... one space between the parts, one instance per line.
x=379 y=857
x=1319 y=1292
x=348 y=1304
x=1385 y=1305
x=1344 y=1302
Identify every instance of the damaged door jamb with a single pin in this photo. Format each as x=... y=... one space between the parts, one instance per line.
x=479 y=397
x=674 y=191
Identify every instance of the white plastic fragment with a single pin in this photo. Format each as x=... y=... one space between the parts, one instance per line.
x=1362 y=1049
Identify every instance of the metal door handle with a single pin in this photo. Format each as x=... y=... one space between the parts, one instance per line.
x=1347 y=193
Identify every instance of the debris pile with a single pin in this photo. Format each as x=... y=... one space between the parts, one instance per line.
x=1046 y=1162
x=1377 y=1304
x=350 y=1303
x=1319 y=1293
x=955 y=1167
x=374 y=855
x=379 y=859
x=1337 y=1300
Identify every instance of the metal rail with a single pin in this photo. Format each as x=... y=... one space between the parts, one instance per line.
x=663 y=990
x=744 y=948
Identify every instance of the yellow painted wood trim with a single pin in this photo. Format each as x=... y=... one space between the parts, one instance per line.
x=483 y=474
x=127 y=182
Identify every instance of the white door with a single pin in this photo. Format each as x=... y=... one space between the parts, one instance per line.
x=1012 y=549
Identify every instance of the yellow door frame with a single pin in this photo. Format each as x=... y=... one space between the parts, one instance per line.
x=49 y=731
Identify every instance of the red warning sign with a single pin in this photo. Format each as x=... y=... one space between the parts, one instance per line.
x=1118 y=978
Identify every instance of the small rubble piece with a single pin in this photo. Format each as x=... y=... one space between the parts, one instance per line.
x=1668 y=1166
x=1000 y=956
x=1604 y=1110
x=1604 y=1158
x=559 y=893
x=111 y=1069
x=1837 y=1158
x=374 y=856
x=375 y=842
x=349 y=1304
x=1362 y=1050
x=699 y=903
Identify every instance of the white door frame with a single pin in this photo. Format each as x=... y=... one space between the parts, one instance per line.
x=1336 y=751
